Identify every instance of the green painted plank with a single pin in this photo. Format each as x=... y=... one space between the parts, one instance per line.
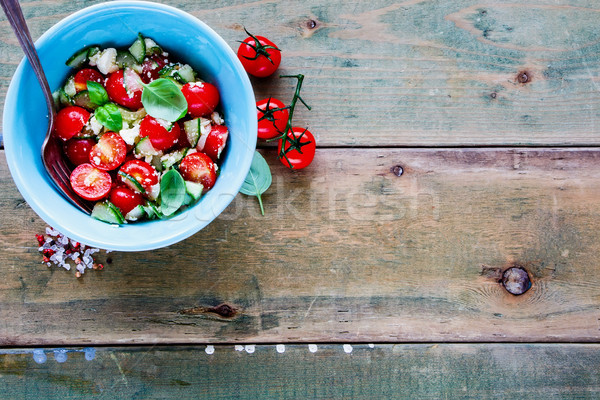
x=346 y=251
x=402 y=371
x=418 y=72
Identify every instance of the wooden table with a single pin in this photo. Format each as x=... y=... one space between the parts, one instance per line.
x=457 y=139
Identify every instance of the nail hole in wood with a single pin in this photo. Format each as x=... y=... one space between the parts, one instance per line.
x=493 y=95
x=516 y=280
x=524 y=76
x=311 y=24
x=397 y=170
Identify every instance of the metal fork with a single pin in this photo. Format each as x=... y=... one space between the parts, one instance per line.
x=52 y=154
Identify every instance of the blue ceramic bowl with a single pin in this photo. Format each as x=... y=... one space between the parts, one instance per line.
x=117 y=24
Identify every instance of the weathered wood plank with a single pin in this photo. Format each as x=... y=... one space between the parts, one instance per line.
x=507 y=371
x=347 y=251
x=416 y=72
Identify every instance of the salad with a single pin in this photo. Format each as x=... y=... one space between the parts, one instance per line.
x=141 y=131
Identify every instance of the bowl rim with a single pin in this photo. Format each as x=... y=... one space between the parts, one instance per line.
x=148 y=243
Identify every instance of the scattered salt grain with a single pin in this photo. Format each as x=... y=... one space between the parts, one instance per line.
x=59 y=250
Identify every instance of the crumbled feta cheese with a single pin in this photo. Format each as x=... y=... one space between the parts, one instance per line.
x=216 y=118
x=70 y=87
x=131 y=134
x=164 y=123
x=205 y=128
x=154 y=192
x=107 y=62
x=94 y=125
x=197 y=84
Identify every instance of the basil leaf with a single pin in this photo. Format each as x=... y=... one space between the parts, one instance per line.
x=172 y=192
x=97 y=93
x=163 y=99
x=258 y=179
x=110 y=116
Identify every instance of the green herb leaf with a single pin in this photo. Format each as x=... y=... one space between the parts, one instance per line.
x=109 y=115
x=258 y=179
x=97 y=93
x=172 y=192
x=163 y=99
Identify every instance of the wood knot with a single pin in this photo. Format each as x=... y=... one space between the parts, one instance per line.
x=516 y=280
x=224 y=310
x=524 y=76
x=397 y=170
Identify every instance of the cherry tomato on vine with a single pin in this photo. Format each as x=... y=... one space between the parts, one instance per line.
x=125 y=199
x=160 y=137
x=202 y=98
x=199 y=168
x=267 y=128
x=109 y=152
x=70 y=121
x=119 y=94
x=259 y=56
x=78 y=150
x=90 y=183
x=84 y=75
x=304 y=140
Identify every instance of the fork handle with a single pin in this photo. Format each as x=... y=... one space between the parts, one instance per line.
x=13 y=12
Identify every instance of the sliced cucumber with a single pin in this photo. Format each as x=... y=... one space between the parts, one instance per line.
x=173 y=158
x=132 y=182
x=82 y=56
x=136 y=213
x=194 y=189
x=82 y=99
x=79 y=58
x=166 y=71
x=138 y=48
x=107 y=212
x=186 y=74
x=193 y=129
x=126 y=59
x=92 y=51
x=64 y=99
x=145 y=148
x=132 y=116
x=151 y=210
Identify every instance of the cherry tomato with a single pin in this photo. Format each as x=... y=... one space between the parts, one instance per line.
x=199 y=168
x=268 y=129
x=87 y=74
x=152 y=66
x=125 y=199
x=90 y=183
x=78 y=150
x=259 y=59
x=299 y=158
x=70 y=121
x=202 y=98
x=160 y=137
x=142 y=172
x=109 y=152
x=215 y=141
x=117 y=92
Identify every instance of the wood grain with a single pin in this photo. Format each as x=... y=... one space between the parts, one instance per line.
x=383 y=372
x=412 y=73
x=347 y=251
